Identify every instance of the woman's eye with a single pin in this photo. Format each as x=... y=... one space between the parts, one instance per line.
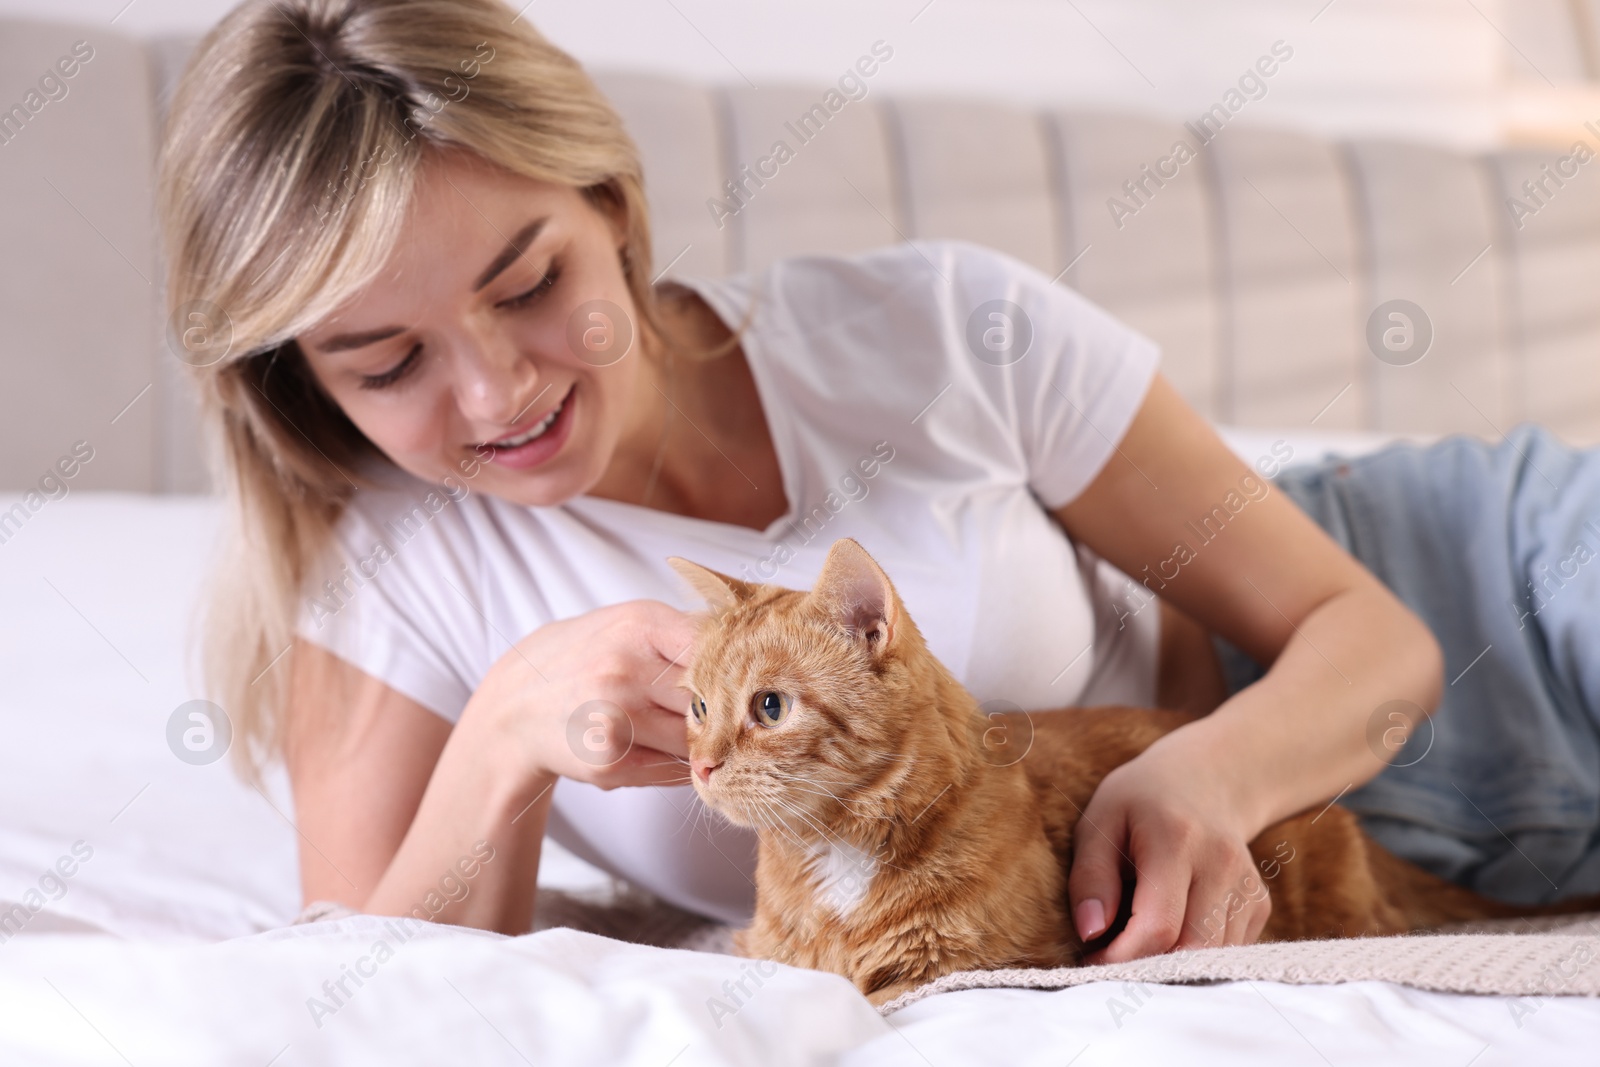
x=393 y=374
x=697 y=709
x=770 y=707
x=545 y=285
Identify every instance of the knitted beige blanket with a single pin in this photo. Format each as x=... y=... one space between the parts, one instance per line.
x=1519 y=958
x=1530 y=958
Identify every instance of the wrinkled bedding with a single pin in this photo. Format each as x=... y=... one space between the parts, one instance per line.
x=169 y=942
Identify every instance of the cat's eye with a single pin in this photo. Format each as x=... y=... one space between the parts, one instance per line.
x=770 y=707
x=697 y=709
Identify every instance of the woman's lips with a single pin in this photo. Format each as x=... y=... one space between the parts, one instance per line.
x=540 y=448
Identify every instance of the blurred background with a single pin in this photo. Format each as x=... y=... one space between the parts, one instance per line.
x=1472 y=73
x=1396 y=151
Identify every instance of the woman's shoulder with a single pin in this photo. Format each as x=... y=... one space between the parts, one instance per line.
x=930 y=267
x=913 y=288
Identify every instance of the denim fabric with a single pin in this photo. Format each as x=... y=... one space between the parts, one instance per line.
x=1497 y=549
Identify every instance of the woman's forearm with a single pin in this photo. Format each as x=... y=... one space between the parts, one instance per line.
x=1301 y=734
x=495 y=774
x=471 y=855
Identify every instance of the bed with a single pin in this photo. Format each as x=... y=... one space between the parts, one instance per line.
x=171 y=941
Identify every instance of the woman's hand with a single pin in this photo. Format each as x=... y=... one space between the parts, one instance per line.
x=1163 y=821
x=397 y=801
x=595 y=698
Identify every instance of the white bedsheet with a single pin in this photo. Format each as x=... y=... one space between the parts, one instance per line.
x=177 y=961
x=562 y=997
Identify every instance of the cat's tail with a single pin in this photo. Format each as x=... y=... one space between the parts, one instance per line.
x=1429 y=901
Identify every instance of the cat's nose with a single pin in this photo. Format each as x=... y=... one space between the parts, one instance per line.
x=702 y=769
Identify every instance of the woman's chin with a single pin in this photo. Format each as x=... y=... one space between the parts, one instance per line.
x=542 y=487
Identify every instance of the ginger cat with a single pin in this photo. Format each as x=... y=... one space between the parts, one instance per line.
x=895 y=846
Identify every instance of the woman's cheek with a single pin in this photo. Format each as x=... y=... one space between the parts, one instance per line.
x=413 y=429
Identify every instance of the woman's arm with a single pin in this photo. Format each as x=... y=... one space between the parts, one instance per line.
x=1273 y=583
x=401 y=814
x=362 y=758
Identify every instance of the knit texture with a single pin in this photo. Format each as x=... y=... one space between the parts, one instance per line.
x=1511 y=958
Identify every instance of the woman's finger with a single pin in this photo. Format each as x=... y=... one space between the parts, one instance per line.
x=603 y=732
x=666 y=692
x=1214 y=907
x=1239 y=928
x=1160 y=897
x=668 y=632
x=1260 y=912
x=1094 y=885
x=644 y=766
x=661 y=728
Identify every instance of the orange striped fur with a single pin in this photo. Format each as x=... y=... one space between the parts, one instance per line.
x=904 y=834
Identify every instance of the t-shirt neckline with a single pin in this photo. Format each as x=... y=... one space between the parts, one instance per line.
x=719 y=296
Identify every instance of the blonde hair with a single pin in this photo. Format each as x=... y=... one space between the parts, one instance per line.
x=287 y=167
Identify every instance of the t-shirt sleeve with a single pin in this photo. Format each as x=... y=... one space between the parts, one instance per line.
x=1066 y=375
x=390 y=597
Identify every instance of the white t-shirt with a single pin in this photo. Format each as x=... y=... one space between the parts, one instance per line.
x=890 y=429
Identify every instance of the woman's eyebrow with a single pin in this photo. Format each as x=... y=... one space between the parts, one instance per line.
x=514 y=247
x=345 y=341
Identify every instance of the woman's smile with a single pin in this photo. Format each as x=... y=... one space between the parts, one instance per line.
x=536 y=443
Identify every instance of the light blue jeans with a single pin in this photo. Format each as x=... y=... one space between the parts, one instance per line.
x=1497 y=549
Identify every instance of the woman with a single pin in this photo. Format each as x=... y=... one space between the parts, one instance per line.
x=463 y=430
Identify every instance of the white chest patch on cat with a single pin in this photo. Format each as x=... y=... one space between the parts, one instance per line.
x=843 y=874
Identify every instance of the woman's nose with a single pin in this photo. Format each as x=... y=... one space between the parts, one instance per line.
x=496 y=384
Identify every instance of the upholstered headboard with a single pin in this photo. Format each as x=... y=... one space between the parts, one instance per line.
x=1257 y=264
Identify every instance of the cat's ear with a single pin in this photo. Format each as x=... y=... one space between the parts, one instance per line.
x=720 y=591
x=856 y=591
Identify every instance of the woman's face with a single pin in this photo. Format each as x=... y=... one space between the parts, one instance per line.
x=480 y=351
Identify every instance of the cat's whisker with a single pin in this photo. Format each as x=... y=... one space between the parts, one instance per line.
x=822 y=831
x=708 y=814
x=841 y=841
x=710 y=811
x=774 y=772
x=668 y=763
x=714 y=813
x=892 y=757
x=778 y=811
x=804 y=779
x=800 y=782
x=800 y=787
x=746 y=805
x=792 y=813
x=777 y=826
x=852 y=814
x=770 y=819
x=688 y=814
x=805 y=787
x=696 y=813
x=688 y=819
